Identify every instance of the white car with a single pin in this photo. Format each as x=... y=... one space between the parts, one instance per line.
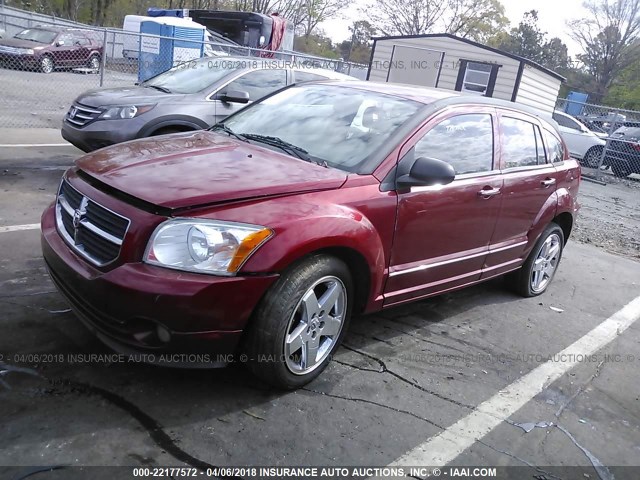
x=583 y=144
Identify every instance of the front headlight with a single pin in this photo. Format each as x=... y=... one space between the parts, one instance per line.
x=128 y=111
x=204 y=246
x=27 y=51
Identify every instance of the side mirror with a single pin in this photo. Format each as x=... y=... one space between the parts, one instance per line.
x=60 y=43
x=235 y=96
x=426 y=172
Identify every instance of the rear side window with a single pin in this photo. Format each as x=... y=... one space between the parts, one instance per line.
x=308 y=77
x=463 y=141
x=567 y=122
x=554 y=147
x=520 y=148
x=260 y=83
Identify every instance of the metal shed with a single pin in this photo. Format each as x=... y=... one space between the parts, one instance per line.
x=453 y=63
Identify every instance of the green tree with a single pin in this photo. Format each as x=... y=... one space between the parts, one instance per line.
x=358 y=47
x=607 y=36
x=475 y=19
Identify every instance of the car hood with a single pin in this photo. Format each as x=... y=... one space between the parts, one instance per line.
x=19 y=43
x=203 y=168
x=134 y=95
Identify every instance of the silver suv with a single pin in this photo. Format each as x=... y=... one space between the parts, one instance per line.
x=191 y=96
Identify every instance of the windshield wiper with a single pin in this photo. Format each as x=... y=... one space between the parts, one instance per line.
x=162 y=89
x=224 y=128
x=299 y=152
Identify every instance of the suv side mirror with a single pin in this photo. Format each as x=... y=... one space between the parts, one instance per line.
x=60 y=43
x=426 y=172
x=235 y=96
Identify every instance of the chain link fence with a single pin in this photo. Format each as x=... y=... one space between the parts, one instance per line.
x=46 y=63
x=618 y=128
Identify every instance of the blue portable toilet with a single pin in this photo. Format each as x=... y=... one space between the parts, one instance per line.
x=166 y=42
x=575 y=103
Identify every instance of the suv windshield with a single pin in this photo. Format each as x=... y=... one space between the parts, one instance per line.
x=37 y=35
x=334 y=124
x=193 y=76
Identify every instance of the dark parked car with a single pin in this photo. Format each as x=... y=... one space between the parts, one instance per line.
x=190 y=96
x=623 y=151
x=267 y=233
x=47 y=48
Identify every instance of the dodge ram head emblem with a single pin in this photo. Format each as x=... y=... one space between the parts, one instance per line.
x=78 y=215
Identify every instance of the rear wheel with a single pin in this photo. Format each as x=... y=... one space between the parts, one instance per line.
x=300 y=322
x=46 y=64
x=538 y=270
x=621 y=168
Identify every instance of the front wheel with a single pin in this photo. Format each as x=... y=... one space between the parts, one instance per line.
x=538 y=270
x=46 y=64
x=94 y=63
x=592 y=157
x=300 y=323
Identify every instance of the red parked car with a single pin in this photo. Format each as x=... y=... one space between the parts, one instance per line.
x=264 y=235
x=45 y=49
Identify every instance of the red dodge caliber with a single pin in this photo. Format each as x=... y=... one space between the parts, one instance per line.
x=265 y=234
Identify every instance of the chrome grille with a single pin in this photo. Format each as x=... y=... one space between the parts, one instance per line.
x=80 y=115
x=93 y=231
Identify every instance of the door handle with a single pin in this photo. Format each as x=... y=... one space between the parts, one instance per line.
x=488 y=192
x=547 y=182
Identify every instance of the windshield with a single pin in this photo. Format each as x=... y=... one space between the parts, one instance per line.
x=334 y=124
x=193 y=76
x=37 y=35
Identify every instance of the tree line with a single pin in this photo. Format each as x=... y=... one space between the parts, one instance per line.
x=608 y=67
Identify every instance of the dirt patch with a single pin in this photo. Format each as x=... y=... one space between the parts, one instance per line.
x=609 y=217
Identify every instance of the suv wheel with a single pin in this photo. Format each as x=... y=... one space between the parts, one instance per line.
x=538 y=270
x=46 y=64
x=300 y=322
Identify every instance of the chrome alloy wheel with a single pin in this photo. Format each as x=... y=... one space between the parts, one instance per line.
x=546 y=263
x=46 y=64
x=94 y=63
x=315 y=325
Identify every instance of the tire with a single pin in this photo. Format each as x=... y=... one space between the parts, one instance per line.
x=166 y=131
x=46 y=64
x=94 y=63
x=591 y=159
x=545 y=263
x=621 y=168
x=308 y=308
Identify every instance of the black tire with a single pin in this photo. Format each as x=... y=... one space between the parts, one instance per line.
x=47 y=64
x=591 y=159
x=521 y=280
x=621 y=168
x=276 y=315
x=166 y=131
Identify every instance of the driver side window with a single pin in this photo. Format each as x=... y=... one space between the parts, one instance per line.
x=463 y=141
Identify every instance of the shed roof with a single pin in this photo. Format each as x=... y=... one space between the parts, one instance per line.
x=479 y=45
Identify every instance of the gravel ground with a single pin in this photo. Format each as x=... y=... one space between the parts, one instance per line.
x=610 y=215
x=33 y=99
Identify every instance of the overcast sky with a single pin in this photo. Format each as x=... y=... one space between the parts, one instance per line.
x=553 y=15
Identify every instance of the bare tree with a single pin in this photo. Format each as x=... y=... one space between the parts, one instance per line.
x=609 y=37
x=314 y=12
x=405 y=17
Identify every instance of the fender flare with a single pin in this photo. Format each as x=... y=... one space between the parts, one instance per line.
x=171 y=121
x=350 y=231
